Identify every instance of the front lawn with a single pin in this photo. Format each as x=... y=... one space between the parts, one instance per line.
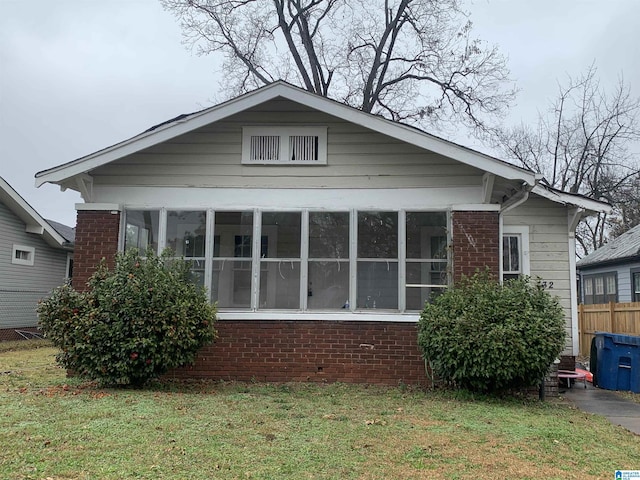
x=52 y=427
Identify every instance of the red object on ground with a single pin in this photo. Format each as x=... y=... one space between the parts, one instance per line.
x=587 y=374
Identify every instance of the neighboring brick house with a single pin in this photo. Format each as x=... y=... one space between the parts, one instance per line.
x=36 y=255
x=319 y=230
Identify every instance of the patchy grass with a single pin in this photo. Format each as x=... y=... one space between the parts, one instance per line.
x=24 y=344
x=59 y=428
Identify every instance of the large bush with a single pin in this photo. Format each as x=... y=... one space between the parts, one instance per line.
x=485 y=336
x=133 y=323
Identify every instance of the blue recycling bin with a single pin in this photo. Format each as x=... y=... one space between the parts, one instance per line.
x=618 y=361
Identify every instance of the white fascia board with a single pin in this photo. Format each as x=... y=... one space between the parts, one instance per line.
x=34 y=223
x=574 y=200
x=280 y=89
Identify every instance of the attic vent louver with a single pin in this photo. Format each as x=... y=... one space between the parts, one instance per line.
x=291 y=145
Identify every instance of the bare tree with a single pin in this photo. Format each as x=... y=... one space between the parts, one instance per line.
x=584 y=146
x=409 y=60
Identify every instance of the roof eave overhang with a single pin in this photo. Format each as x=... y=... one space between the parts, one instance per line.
x=61 y=174
x=590 y=206
x=34 y=223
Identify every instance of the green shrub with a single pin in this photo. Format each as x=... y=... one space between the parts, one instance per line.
x=133 y=323
x=486 y=337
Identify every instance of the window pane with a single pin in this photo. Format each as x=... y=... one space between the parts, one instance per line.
x=377 y=235
x=142 y=229
x=426 y=235
x=377 y=285
x=280 y=284
x=231 y=283
x=233 y=234
x=186 y=232
x=283 y=232
x=328 y=285
x=423 y=273
x=599 y=281
x=611 y=284
x=197 y=272
x=636 y=287
x=588 y=286
x=328 y=235
x=511 y=254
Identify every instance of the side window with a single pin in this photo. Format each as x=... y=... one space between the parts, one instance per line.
x=635 y=286
x=515 y=252
x=600 y=288
x=23 y=255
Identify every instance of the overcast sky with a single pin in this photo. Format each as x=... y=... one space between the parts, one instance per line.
x=79 y=75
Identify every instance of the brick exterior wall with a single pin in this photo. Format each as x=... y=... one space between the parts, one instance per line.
x=96 y=238
x=476 y=237
x=311 y=351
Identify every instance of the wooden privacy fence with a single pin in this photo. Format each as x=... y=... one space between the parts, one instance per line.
x=623 y=318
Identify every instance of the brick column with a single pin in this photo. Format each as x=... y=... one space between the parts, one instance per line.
x=475 y=243
x=96 y=238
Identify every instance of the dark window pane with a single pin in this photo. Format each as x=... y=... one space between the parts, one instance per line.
x=328 y=235
x=283 y=230
x=233 y=234
x=377 y=235
x=186 y=233
x=377 y=285
x=142 y=229
x=426 y=235
x=328 y=285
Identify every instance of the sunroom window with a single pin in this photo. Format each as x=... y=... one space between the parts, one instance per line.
x=328 y=285
x=186 y=236
x=306 y=260
x=280 y=263
x=377 y=260
x=142 y=230
x=426 y=264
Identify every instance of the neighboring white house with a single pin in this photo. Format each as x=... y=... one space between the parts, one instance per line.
x=35 y=257
x=612 y=272
x=320 y=230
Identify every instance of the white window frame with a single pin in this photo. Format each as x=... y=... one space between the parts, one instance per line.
x=284 y=133
x=399 y=314
x=31 y=255
x=522 y=233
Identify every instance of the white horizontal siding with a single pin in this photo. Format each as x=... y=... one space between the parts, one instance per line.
x=549 y=248
x=21 y=285
x=356 y=158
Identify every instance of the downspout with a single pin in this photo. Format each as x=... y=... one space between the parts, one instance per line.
x=574 y=217
x=524 y=196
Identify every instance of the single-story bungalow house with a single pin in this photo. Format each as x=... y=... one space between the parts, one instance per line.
x=36 y=256
x=612 y=272
x=319 y=230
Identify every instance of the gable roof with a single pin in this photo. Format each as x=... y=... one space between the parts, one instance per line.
x=32 y=219
x=185 y=123
x=621 y=248
x=68 y=233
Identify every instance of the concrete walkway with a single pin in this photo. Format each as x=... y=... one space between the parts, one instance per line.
x=606 y=403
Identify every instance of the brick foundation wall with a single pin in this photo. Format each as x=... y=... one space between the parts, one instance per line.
x=315 y=351
x=475 y=237
x=96 y=238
